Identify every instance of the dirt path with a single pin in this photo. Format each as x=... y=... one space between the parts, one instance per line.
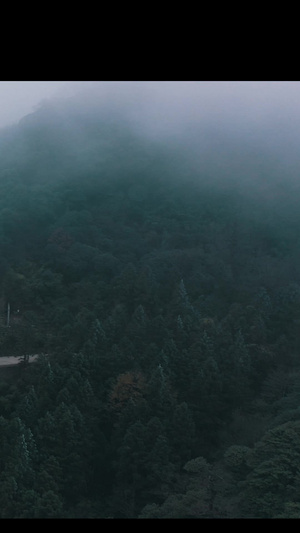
x=10 y=361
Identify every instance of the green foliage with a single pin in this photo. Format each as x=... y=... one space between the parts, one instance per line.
x=274 y=478
x=207 y=493
x=236 y=459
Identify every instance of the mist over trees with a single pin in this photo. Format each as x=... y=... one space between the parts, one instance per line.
x=149 y=238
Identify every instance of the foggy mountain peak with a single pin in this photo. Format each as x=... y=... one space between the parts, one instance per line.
x=240 y=130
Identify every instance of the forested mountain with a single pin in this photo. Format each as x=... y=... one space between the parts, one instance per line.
x=158 y=278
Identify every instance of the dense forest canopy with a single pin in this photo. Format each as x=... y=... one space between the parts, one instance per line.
x=150 y=256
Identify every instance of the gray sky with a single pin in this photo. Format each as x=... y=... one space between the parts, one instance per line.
x=19 y=98
x=248 y=104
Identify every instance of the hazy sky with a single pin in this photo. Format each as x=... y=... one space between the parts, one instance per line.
x=19 y=98
x=251 y=102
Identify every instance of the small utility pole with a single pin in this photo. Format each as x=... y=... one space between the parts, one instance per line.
x=8 y=315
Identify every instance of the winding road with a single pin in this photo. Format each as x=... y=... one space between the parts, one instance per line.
x=12 y=360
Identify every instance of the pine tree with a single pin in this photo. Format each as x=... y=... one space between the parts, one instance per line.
x=159 y=394
x=182 y=434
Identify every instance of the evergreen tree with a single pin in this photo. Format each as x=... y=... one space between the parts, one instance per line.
x=272 y=483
